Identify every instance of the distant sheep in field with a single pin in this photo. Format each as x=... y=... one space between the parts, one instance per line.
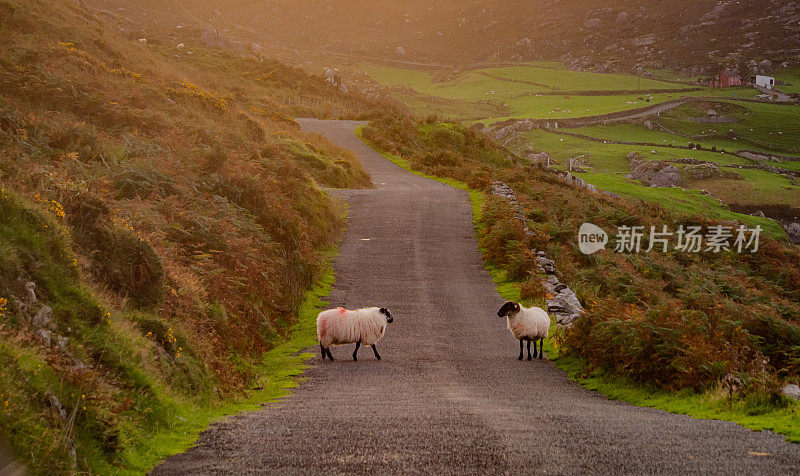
x=143 y=41
x=526 y=324
x=362 y=326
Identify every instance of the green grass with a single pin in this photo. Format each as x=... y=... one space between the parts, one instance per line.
x=769 y=126
x=758 y=187
x=670 y=75
x=788 y=75
x=560 y=79
x=610 y=164
x=570 y=105
x=683 y=201
x=497 y=94
x=424 y=105
x=748 y=412
x=708 y=405
x=631 y=132
x=471 y=85
x=636 y=132
x=502 y=93
x=612 y=158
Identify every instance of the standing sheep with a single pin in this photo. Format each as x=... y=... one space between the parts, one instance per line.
x=526 y=324
x=362 y=326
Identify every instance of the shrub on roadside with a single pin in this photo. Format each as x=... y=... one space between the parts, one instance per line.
x=675 y=320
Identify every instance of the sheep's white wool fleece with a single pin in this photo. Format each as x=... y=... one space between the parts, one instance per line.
x=533 y=323
x=340 y=326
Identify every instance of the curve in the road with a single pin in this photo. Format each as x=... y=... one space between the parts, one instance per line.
x=449 y=395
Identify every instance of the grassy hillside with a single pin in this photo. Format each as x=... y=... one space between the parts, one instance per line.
x=765 y=128
x=490 y=95
x=671 y=320
x=168 y=209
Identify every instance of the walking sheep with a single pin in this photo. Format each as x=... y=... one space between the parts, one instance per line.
x=362 y=326
x=526 y=324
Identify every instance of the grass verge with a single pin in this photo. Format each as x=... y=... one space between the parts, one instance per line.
x=750 y=412
x=278 y=372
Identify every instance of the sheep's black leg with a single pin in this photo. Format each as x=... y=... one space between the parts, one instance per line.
x=529 y=348
x=541 y=347
x=520 y=350
x=358 y=344
x=322 y=350
x=375 y=349
x=330 y=356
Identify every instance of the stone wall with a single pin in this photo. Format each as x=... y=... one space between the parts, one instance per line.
x=562 y=303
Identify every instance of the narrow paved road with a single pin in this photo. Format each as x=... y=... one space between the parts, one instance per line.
x=449 y=395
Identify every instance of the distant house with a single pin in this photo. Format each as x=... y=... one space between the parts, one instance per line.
x=726 y=79
x=767 y=82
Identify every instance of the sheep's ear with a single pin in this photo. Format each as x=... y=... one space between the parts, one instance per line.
x=517 y=307
x=384 y=311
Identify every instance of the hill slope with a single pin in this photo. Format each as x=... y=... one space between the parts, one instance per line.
x=161 y=219
x=618 y=35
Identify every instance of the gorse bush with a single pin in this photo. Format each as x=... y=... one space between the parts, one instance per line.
x=674 y=320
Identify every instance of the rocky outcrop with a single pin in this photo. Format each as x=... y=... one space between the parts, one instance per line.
x=507 y=133
x=717 y=12
x=706 y=171
x=575 y=181
x=332 y=78
x=655 y=173
x=562 y=303
x=538 y=158
x=765 y=67
x=791 y=391
x=793 y=230
x=593 y=24
x=43 y=318
x=213 y=38
x=38 y=317
x=505 y=136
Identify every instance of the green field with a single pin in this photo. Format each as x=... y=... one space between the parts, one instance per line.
x=535 y=90
x=791 y=76
x=560 y=79
x=509 y=81
x=548 y=91
x=768 y=126
x=613 y=157
x=636 y=132
x=610 y=165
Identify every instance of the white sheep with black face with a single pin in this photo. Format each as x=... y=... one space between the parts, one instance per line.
x=362 y=326
x=526 y=324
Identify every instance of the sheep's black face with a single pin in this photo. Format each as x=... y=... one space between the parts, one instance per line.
x=509 y=307
x=386 y=313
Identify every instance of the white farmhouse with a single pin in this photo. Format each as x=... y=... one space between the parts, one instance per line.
x=765 y=81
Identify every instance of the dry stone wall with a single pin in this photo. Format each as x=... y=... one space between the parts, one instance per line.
x=563 y=304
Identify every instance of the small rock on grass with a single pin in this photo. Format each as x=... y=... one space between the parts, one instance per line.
x=791 y=391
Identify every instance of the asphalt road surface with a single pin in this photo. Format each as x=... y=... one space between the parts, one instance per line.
x=449 y=395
